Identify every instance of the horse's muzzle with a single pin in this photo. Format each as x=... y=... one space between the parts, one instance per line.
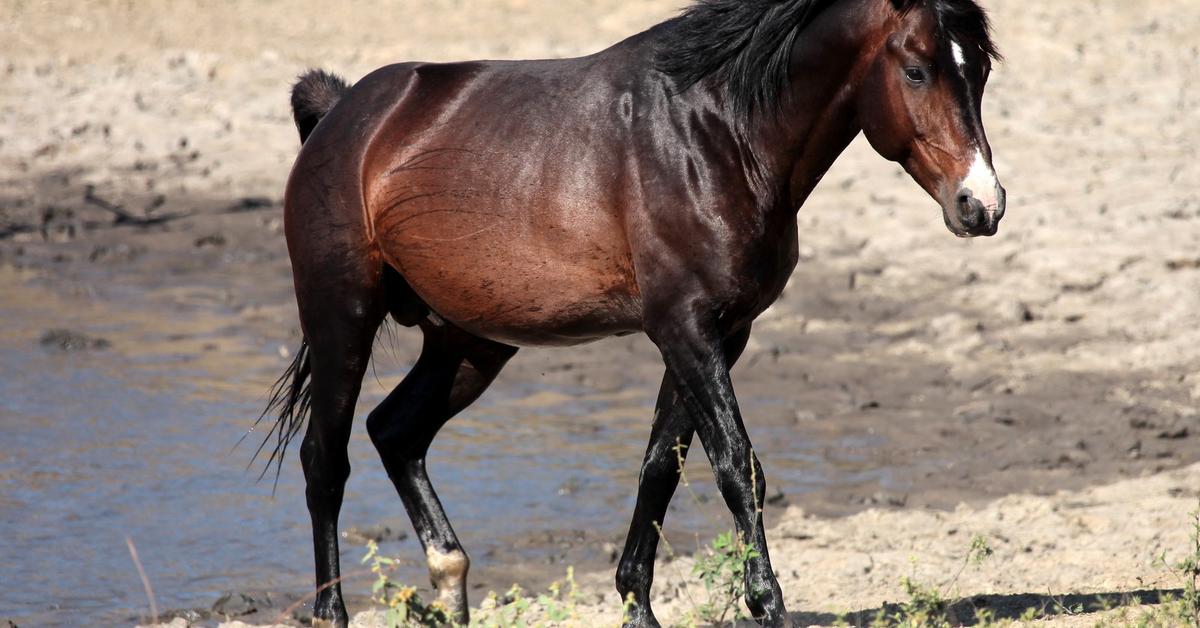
x=975 y=216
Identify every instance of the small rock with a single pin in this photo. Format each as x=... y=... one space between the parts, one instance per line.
x=117 y=253
x=885 y=499
x=365 y=619
x=177 y=622
x=214 y=239
x=188 y=616
x=304 y=615
x=233 y=604
x=1142 y=417
x=158 y=201
x=1072 y=458
x=376 y=533
x=974 y=411
x=777 y=499
x=570 y=487
x=611 y=551
x=804 y=416
x=251 y=203
x=67 y=340
x=951 y=325
x=1174 y=432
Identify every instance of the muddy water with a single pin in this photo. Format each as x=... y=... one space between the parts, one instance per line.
x=137 y=440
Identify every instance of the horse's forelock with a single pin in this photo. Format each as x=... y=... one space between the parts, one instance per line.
x=963 y=21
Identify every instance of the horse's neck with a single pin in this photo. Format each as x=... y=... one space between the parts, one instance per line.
x=817 y=119
x=825 y=139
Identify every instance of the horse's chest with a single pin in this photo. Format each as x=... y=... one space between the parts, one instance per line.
x=749 y=269
x=765 y=269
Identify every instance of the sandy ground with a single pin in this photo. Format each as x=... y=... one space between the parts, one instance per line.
x=1070 y=555
x=1093 y=548
x=143 y=152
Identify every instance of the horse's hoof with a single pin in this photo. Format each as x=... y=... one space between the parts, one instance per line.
x=783 y=620
x=642 y=619
x=771 y=615
x=330 y=618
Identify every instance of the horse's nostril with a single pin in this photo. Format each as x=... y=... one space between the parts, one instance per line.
x=970 y=209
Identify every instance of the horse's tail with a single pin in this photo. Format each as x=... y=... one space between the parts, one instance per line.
x=313 y=95
x=289 y=405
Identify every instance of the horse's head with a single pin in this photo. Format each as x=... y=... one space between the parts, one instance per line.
x=919 y=105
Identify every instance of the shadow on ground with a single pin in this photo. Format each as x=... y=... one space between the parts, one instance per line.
x=966 y=611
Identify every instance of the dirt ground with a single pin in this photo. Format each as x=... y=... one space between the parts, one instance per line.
x=1071 y=556
x=144 y=146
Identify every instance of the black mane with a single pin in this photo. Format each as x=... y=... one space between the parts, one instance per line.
x=746 y=44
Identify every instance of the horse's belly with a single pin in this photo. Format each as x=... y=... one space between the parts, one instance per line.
x=512 y=281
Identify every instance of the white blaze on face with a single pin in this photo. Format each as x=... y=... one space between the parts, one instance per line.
x=959 y=58
x=981 y=180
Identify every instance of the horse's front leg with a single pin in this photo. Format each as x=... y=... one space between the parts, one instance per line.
x=670 y=439
x=691 y=346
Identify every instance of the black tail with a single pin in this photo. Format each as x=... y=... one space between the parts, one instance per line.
x=289 y=405
x=313 y=96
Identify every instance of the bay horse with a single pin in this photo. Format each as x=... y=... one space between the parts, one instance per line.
x=651 y=187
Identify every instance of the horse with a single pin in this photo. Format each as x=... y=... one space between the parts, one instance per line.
x=651 y=188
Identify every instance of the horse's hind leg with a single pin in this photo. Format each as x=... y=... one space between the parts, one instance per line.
x=339 y=353
x=337 y=277
x=453 y=370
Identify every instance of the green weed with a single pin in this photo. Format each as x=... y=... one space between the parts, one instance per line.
x=929 y=606
x=402 y=605
x=404 y=608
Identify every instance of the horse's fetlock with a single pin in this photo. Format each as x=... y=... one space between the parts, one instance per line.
x=631 y=577
x=447 y=567
x=448 y=574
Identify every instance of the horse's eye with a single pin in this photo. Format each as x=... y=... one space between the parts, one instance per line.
x=915 y=75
